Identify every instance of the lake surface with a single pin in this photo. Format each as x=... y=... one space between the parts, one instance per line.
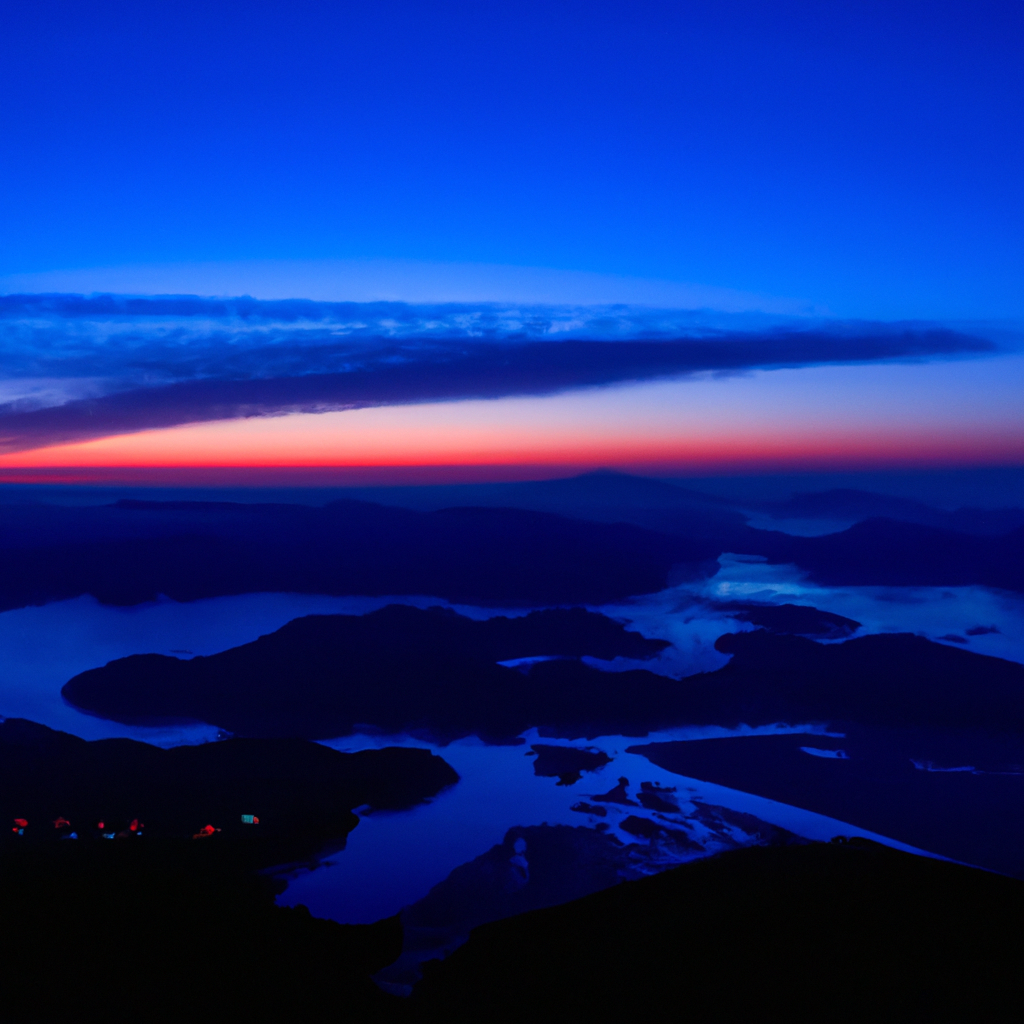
x=392 y=860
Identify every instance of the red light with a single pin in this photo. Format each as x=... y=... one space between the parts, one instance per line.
x=21 y=822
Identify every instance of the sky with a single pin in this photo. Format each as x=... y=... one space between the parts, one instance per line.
x=657 y=236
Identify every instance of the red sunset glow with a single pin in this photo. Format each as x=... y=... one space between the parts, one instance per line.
x=829 y=417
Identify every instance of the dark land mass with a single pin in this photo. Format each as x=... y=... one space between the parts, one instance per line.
x=842 y=931
x=133 y=551
x=592 y=539
x=658 y=798
x=402 y=670
x=850 y=503
x=566 y=763
x=895 y=541
x=399 y=669
x=544 y=865
x=675 y=508
x=720 y=524
x=156 y=925
x=883 y=552
x=602 y=496
x=975 y=816
x=885 y=679
x=172 y=930
x=537 y=866
x=618 y=794
x=302 y=793
x=797 y=619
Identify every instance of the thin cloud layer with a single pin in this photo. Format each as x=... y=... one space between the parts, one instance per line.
x=115 y=365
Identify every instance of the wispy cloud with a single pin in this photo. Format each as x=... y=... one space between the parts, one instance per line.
x=420 y=282
x=84 y=367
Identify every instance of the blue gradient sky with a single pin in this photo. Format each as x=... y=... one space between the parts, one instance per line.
x=867 y=158
x=838 y=188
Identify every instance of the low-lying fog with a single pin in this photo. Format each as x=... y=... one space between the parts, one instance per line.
x=392 y=860
x=41 y=648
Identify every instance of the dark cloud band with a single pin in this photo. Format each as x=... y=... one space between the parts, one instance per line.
x=224 y=368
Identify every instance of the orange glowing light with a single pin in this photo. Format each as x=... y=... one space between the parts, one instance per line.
x=943 y=414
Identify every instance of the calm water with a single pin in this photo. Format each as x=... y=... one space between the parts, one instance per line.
x=393 y=859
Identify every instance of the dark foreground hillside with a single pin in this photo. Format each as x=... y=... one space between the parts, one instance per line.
x=133 y=881
x=301 y=795
x=846 y=931
x=153 y=924
x=172 y=931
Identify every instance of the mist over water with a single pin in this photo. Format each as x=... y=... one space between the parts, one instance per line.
x=41 y=648
x=393 y=859
x=686 y=615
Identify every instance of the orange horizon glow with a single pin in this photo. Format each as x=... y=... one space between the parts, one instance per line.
x=139 y=456
x=305 y=442
x=272 y=475
x=809 y=419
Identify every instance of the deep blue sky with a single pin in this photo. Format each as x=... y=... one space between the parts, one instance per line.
x=865 y=156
